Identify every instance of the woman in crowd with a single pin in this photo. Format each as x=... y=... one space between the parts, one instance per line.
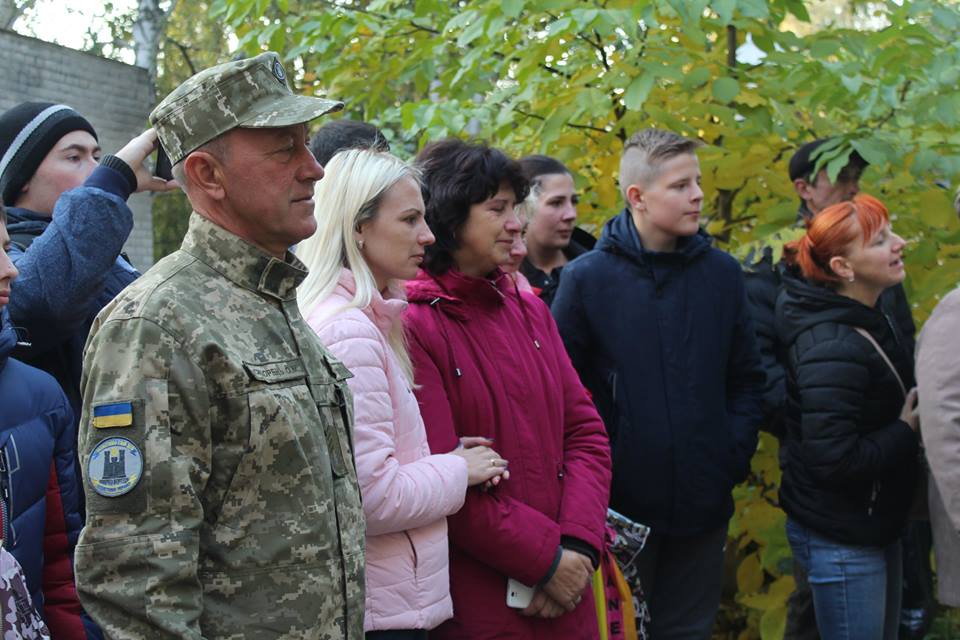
x=490 y=362
x=518 y=251
x=851 y=425
x=371 y=236
x=552 y=238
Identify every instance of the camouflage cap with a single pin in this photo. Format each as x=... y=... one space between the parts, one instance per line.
x=250 y=93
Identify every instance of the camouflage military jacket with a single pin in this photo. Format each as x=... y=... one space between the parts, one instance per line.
x=222 y=499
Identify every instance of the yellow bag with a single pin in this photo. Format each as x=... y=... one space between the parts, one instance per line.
x=613 y=599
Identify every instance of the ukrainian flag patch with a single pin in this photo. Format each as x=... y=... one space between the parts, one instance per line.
x=115 y=414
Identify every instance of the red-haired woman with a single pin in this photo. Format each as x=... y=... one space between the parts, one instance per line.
x=851 y=424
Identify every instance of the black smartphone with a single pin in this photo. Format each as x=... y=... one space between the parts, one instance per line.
x=162 y=167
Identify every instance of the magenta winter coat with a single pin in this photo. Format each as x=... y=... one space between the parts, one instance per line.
x=490 y=363
x=406 y=491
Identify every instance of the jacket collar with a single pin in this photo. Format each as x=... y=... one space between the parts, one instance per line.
x=383 y=311
x=20 y=220
x=241 y=262
x=8 y=337
x=620 y=237
x=804 y=304
x=460 y=289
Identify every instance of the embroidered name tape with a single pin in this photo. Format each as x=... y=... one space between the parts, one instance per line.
x=116 y=414
x=280 y=371
x=115 y=467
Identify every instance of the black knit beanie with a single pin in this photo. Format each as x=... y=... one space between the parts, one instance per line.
x=27 y=133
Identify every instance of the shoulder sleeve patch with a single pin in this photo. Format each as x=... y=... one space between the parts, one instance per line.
x=114 y=414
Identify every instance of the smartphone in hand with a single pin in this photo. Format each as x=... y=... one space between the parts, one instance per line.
x=519 y=595
x=162 y=167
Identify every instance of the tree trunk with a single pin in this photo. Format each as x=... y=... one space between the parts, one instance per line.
x=148 y=29
x=10 y=11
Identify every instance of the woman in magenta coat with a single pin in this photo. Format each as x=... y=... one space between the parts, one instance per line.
x=489 y=362
x=370 y=238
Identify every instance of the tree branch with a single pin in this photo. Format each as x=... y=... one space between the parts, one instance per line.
x=184 y=51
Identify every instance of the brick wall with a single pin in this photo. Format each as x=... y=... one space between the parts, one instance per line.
x=115 y=97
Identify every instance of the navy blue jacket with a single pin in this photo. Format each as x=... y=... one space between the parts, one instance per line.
x=39 y=488
x=665 y=343
x=70 y=270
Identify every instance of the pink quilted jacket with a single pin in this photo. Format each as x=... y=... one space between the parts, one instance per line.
x=407 y=493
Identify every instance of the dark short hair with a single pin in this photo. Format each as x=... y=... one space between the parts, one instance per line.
x=342 y=134
x=456 y=175
x=802 y=162
x=537 y=165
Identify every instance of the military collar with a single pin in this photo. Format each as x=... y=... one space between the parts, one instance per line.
x=241 y=262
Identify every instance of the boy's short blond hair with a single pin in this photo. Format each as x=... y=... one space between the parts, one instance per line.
x=646 y=151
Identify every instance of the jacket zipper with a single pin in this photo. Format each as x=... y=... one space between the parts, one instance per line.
x=416 y=559
x=4 y=499
x=873 y=497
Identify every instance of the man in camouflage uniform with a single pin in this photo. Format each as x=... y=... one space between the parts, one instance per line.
x=215 y=436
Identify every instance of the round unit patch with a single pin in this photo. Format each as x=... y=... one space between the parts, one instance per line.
x=115 y=467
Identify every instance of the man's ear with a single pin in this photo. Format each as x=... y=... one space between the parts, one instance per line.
x=803 y=188
x=204 y=172
x=634 y=195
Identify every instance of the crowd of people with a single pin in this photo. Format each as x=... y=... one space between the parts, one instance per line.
x=399 y=400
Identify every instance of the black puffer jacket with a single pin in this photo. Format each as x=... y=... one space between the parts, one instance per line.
x=764 y=281
x=850 y=465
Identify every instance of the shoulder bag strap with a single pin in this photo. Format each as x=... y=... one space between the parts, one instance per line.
x=876 y=345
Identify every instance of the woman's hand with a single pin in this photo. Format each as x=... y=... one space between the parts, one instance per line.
x=484 y=465
x=570 y=580
x=909 y=412
x=543 y=606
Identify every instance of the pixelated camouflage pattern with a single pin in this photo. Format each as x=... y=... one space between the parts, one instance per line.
x=19 y=619
x=247 y=522
x=250 y=93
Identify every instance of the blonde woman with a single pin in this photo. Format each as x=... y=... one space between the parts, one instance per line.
x=371 y=237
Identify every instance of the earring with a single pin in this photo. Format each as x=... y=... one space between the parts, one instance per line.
x=850 y=278
x=360 y=244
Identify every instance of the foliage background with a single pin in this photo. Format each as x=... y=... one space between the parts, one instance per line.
x=574 y=78
x=753 y=79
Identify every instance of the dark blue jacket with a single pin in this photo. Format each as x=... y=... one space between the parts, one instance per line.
x=665 y=344
x=71 y=268
x=39 y=488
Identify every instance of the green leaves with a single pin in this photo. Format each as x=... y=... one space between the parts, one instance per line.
x=636 y=94
x=725 y=89
x=575 y=78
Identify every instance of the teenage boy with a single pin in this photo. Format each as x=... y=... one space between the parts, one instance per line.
x=655 y=320
x=40 y=515
x=68 y=221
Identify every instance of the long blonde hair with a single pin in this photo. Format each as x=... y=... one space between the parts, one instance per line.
x=349 y=195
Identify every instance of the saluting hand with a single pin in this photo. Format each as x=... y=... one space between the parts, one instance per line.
x=135 y=153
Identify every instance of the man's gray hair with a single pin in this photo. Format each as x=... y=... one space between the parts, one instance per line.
x=216 y=147
x=645 y=152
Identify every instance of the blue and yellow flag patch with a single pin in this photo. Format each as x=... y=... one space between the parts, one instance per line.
x=115 y=414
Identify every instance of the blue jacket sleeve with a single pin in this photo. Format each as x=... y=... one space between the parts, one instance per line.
x=745 y=380
x=64 y=270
